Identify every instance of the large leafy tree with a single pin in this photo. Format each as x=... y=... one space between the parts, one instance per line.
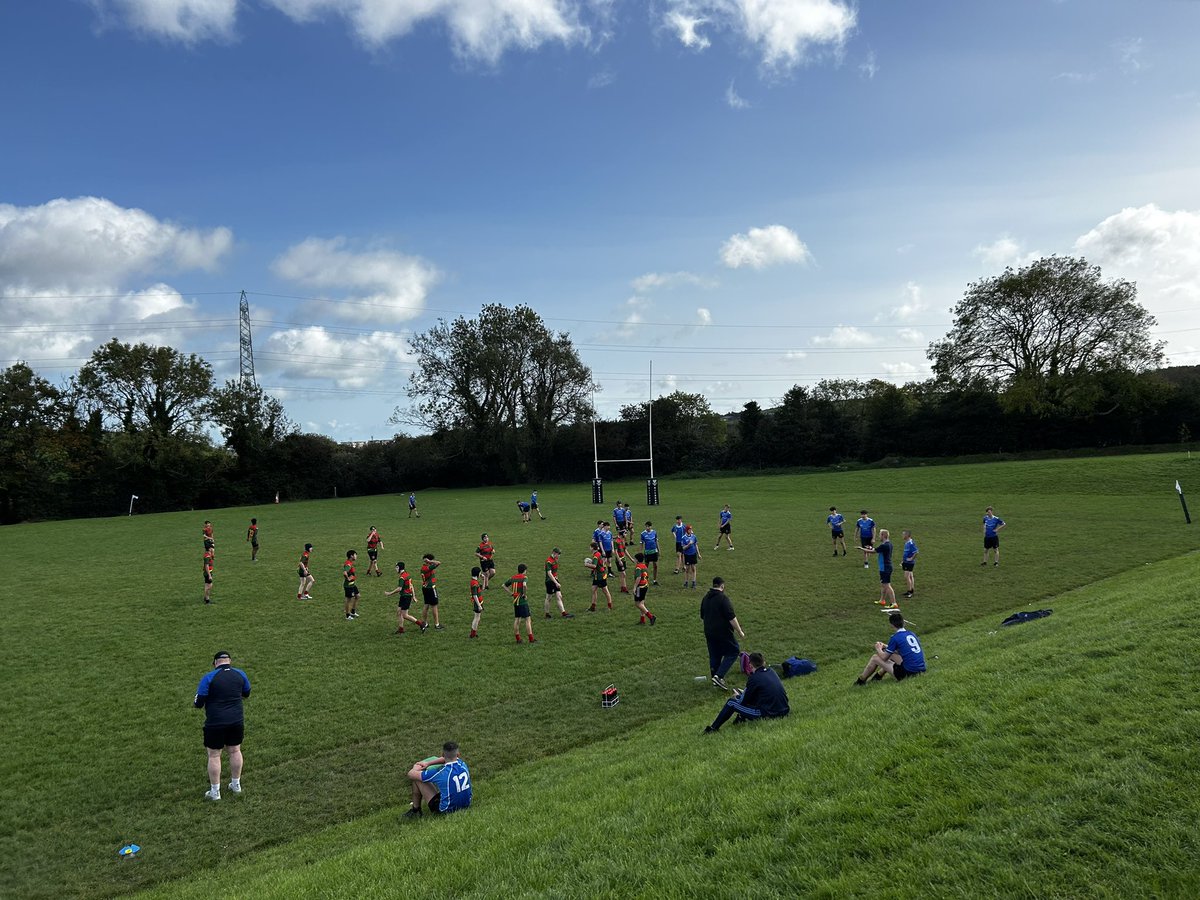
x=251 y=421
x=145 y=389
x=1042 y=333
x=505 y=379
x=32 y=461
x=687 y=433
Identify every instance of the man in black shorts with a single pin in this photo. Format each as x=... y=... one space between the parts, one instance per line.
x=220 y=695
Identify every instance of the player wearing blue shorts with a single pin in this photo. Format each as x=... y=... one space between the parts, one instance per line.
x=443 y=783
x=992 y=524
x=901 y=657
x=883 y=553
x=837 y=524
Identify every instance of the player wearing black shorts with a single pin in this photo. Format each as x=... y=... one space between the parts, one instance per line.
x=350 y=585
x=429 y=589
x=405 y=589
x=220 y=694
x=641 y=587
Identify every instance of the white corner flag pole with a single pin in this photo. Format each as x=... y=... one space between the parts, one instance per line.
x=1187 y=517
x=132 y=497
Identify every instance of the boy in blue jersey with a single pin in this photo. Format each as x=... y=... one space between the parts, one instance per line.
x=649 y=540
x=691 y=555
x=412 y=506
x=908 y=562
x=619 y=517
x=865 y=526
x=677 y=530
x=887 y=595
x=901 y=657
x=991 y=536
x=443 y=783
x=725 y=528
x=534 y=506
x=837 y=528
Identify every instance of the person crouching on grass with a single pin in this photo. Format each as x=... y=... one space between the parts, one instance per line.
x=518 y=585
x=764 y=697
x=442 y=782
x=901 y=657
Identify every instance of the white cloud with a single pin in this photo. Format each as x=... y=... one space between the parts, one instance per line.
x=350 y=361
x=845 y=336
x=1004 y=252
x=652 y=281
x=601 y=79
x=1076 y=77
x=392 y=285
x=65 y=268
x=734 y=100
x=901 y=369
x=479 y=29
x=762 y=247
x=1129 y=55
x=186 y=21
x=793 y=355
x=684 y=25
x=784 y=33
x=90 y=241
x=703 y=316
x=1159 y=250
x=868 y=68
x=912 y=304
x=911 y=336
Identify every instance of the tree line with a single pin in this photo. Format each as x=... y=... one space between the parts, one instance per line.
x=1050 y=356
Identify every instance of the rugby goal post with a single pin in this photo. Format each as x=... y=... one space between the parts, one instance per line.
x=651 y=482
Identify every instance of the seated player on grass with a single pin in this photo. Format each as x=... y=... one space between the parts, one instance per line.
x=442 y=782
x=901 y=658
x=764 y=698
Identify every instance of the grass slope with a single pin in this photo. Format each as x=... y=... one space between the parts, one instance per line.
x=1049 y=759
x=105 y=639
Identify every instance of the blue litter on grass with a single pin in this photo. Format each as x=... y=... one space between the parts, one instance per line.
x=128 y=850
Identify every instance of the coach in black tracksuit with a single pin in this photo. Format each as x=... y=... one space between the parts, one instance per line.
x=220 y=695
x=764 y=697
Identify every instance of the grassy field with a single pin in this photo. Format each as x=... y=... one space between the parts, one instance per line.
x=106 y=637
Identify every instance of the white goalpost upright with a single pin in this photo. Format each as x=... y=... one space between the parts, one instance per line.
x=651 y=482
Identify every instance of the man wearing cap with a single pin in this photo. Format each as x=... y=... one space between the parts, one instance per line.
x=220 y=695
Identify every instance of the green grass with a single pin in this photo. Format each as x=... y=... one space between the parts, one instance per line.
x=105 y=639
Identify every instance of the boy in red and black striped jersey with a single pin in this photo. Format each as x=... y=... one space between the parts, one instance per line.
x=476 y=601
x=599 y=570
x=374 y=545
x=518 y=584
x=252 y=539
x=641 y=587
x=209 y=542
x=208 y=574
x=306 y=578
x=622 y=559
x=554 y=586
x=350 y=585
x=405 y=589
x=487 y=565
x=429 y=589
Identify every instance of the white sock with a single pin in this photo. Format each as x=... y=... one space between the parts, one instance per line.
x=235 y=782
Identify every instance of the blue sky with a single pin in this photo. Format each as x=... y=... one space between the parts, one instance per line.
x=750 y=194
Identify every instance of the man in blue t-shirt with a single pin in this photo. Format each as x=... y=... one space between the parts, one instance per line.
x=865 y=526
x=220 y=694
x=649 y=539
x=908 y=562
x=764 y=697
x=412 y=506
x=837 y=524
x=901 y=657
x=533 y=505
x=443 y=783
x=883 y=552
x=992 y=524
